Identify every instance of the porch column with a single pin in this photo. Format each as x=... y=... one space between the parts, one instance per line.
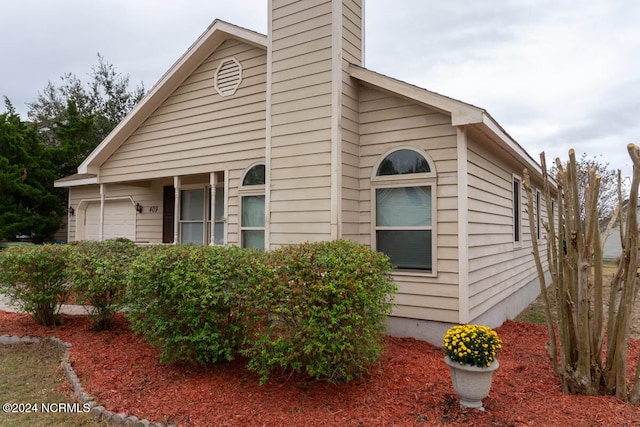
x=176 y=210
x=212 y=208
x=101 y=223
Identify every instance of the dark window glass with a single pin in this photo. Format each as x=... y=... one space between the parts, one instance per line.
x=516 y=210
x=255 y=176
x=403 y=162
x=406 y=248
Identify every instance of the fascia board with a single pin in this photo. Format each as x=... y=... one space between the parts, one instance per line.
x=75 y=182
x=461 y=113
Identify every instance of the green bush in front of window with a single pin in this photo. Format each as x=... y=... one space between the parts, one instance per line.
x=318 y=308
x=36 y=280
x=186 y=300
x=98 y=272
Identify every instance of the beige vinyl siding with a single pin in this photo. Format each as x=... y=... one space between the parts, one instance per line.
x=498 y=267
x=350 y=150
x=352 y=35
x=301 y=112
x=196 y=130
x=387 y=122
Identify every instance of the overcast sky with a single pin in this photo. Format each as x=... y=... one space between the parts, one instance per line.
x=555 y=74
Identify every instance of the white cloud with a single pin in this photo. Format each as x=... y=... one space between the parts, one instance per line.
x=554 y=73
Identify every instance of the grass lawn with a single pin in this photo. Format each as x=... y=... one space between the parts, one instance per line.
x=30 y=374
x=535 y=312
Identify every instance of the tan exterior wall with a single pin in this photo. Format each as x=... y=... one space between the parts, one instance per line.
x=350 y=144
x=196 y=130
x=301 y=111
x=387 y=122
x=498 y=266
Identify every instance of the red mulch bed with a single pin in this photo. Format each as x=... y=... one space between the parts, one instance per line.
x=412 y=386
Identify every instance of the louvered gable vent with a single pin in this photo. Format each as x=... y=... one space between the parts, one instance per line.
x=228 y=77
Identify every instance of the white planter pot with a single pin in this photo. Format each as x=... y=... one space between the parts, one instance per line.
x=471 y=384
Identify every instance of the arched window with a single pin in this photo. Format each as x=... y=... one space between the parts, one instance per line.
x=254 y=176
x=252 y=208
x=404 y=195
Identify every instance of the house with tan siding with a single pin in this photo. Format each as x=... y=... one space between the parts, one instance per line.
x=268 y=140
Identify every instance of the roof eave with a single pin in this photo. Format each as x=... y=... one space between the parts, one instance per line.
x=73 y=181
x=461 y=113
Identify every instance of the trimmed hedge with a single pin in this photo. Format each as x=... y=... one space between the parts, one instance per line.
x=186 y=300
x=36 y=280
x=313 y=308
x=319 y=308
x=98 y=271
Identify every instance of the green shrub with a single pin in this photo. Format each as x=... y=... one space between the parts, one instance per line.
x=36 y=280
x=98 y=270
x=186 y=300
x=319 y=308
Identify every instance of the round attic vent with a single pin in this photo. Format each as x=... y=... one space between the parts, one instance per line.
x=228 y=77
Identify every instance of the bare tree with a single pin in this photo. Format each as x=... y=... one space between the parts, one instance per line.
x=577 y=351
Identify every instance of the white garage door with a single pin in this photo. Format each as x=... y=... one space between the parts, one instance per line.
x=119 y=220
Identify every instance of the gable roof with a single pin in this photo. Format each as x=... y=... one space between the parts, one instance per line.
x=198 y=52
x=461 y=113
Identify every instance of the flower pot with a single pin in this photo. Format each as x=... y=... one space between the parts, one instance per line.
x=471 y=384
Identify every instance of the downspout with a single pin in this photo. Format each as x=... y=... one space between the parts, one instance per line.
x=463 y=226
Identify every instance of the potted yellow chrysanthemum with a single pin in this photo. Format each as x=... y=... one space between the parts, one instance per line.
x=471 y=355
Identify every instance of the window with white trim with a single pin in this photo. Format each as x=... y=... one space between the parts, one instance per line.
x=403 y=192
x=252 y=208
x=517 y=209
x=195 y=206
x=192 y=215
x=538 y=219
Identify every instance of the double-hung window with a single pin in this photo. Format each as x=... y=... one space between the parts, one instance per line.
x=252 y=208
x=192 y=215
x=195 y=220
x=403 y=190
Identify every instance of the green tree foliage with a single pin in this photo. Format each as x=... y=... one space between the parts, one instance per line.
x=68 y=122
x=29 y=207
x=106 y=99
x=74 y=141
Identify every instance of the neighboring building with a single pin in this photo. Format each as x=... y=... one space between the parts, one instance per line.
x=612 y=247
x=264 y=141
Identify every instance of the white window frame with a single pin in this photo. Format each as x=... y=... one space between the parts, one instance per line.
x=516 y=209
x=207 y=222
x=205 y=189
x=220 y=186
x=538 y=215
x=250 y=190
x=403 y=181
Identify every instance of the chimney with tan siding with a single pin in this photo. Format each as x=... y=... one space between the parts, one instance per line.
x=309 y=98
